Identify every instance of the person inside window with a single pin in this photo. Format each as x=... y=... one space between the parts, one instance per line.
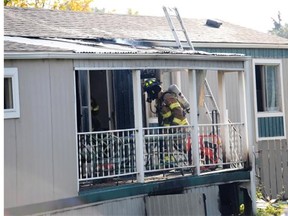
x=96 y=125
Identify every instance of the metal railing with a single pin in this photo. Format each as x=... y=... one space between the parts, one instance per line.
x=112 y=154
x=106 y=154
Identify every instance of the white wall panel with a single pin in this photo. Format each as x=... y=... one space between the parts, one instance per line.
x=129 y=206
x=42 y=142
x=176 y=204
x=211 y=198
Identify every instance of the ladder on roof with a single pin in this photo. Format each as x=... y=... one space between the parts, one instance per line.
x=209 y=102
x=173 y=12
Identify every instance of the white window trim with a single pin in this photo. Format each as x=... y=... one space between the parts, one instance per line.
x=270 y=114
x=15 y=112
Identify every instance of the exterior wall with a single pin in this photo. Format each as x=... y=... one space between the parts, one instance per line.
x=272 y=166
x=231 y=83
x=176 y=204
x=285 y=90
x=40 y=146
x=211 y=198
x=271 y=156
x=127 y=206
x=253 y=52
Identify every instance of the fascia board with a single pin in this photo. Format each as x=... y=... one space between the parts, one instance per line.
x=242 y=45
x=55 y=55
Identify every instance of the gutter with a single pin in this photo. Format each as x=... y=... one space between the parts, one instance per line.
x=241 y=45
x=121 y=56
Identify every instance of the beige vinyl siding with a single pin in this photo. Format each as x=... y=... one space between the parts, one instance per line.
x=231 y=82
x=41 y=146
x=10 y=161
x=233 y=104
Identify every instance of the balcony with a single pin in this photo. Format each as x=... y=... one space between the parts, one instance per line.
x=159 y=153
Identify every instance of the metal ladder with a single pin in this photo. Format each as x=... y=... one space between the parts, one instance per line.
x=209 y=102
x=173 y=12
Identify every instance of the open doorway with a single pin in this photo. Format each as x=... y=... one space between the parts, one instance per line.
x=92 y=100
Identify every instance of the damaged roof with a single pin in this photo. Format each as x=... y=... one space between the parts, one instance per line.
x=97 y=28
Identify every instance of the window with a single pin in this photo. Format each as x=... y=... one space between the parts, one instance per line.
x=11 y=93
x=267 y=80
x=270 y=121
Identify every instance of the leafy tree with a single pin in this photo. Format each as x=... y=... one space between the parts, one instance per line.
x=132 y=12
x=279 y=29
x=73 y=5
x=16 y=3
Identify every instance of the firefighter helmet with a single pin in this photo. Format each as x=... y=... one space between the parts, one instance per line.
x=152 y=87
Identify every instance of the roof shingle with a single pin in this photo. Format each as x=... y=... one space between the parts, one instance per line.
x=75 y=25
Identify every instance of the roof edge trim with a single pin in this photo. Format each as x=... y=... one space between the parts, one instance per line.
x=241 y=45
x=51 y=55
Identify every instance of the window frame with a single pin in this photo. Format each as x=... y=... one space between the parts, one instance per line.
x=263 y=114
x=15 y=111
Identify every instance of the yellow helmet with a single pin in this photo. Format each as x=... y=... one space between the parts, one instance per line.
x=152 y=87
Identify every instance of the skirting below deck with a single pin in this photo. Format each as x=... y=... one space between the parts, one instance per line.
x=175 y=185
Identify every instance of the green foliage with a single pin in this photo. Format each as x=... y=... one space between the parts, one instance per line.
x=16 y=3
x=259 y=193
x=132 y=12
x=72 y=5
x=279 y=29
x=273 y=210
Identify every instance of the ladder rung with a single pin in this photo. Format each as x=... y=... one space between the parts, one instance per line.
x=180 y=30
x=172 y=27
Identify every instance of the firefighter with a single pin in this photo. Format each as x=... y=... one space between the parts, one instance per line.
x=169 y=112
x=168 y=108
x=96 y=125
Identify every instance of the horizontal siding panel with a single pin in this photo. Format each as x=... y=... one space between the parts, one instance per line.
x=253 y=52
x=157 y=64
